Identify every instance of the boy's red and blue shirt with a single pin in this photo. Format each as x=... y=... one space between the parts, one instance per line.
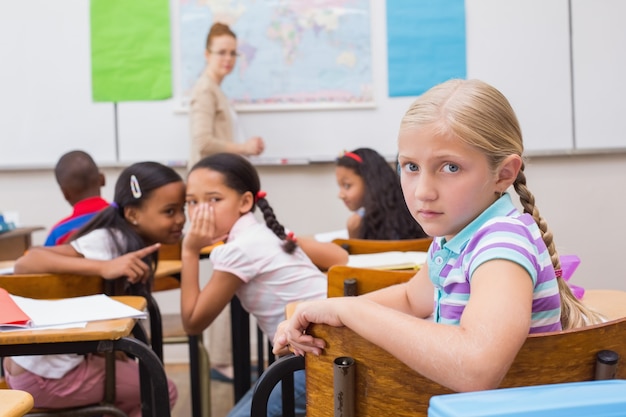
x=84 y=211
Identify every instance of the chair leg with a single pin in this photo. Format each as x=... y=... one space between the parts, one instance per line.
x=194 y=368
x=205 y=378
x=156 y=327
x=240 y=325
x=281 y=370
x=199 y=374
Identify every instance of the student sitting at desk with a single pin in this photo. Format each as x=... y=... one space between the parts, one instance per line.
x=494 y=273
x=261 y=263
x=371 y=189
x=80 y=181
x=120 y=241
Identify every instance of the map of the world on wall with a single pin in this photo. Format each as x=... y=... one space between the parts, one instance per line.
x=293 y=53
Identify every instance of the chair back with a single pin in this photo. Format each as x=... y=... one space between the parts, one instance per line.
x=386 y=386
x=41 y=286
x=170 y=251
x=366 y=280
x=361 y=246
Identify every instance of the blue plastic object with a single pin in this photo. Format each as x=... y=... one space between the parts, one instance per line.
x=605 y=398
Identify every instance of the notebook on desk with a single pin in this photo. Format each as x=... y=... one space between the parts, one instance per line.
x=388 y=260
x=28 y=313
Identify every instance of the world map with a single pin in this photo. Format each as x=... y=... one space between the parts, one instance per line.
x=293 y=53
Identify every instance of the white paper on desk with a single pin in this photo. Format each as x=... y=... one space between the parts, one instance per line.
x=7 y=271
x=388 y=260
x=77 y=325
x=330 y=236
x=75 y=310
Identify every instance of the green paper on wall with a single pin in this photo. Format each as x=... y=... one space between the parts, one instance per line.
x=130 y=50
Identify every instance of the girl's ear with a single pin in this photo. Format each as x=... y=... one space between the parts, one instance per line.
x=246 y=202
x=507 y=172
x=130 y=214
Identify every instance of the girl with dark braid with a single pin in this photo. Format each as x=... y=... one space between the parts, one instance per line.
x=263 y=264
x=492 y=275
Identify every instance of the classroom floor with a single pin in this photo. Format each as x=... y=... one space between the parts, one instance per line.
x=221 y=393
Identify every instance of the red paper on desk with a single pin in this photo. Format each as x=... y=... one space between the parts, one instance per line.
x=10 y=313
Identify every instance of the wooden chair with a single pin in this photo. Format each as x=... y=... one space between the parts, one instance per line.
x=41 y=286
x=72 y=285
x=173 y=333
x=44 y=286
x=360 y=246
x=103 y=337
x=385 y=386
x=341 y=277
x=14 y=403
x=567 y=356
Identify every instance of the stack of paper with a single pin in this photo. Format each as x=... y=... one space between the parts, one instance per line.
x=27 y=313
x=388 y=260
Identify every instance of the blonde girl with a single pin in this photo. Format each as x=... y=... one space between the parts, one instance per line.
x=494 y=272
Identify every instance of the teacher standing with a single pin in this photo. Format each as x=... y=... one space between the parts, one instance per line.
x=214 y=125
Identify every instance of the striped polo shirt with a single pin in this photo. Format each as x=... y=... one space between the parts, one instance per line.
x=500 y=232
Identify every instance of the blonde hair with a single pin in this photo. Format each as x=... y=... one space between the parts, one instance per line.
x=480 y=116
x=218 y=29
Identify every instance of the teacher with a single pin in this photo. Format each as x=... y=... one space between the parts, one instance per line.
x=214 y=126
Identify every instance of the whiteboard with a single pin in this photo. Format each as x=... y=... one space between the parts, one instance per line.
x=522 y=47
x=312 y=134
x=45 y=80
x=599 y=52
x=519 y=46
x=566 y=89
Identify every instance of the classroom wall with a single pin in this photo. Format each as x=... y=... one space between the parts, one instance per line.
x=559 y=62
x=581 y=197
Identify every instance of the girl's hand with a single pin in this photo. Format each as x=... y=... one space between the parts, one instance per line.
x=202 y=230
x=292 y=333
x=130 y=265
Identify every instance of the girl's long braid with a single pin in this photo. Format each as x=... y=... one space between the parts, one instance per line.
x=573 y=312
x=289 y=244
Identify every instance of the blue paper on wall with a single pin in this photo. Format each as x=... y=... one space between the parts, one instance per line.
x=425 y=44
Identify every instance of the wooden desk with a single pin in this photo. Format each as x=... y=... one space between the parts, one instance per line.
x=167 y=275
x=610 y=303
x=14 y=243
x=100 y=337
x=15 y=403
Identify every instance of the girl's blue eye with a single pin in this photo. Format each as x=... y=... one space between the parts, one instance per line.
x=411 y=167
x=451 y=168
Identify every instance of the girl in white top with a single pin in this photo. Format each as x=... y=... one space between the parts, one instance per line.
x=120 y=241
x=261 y=263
